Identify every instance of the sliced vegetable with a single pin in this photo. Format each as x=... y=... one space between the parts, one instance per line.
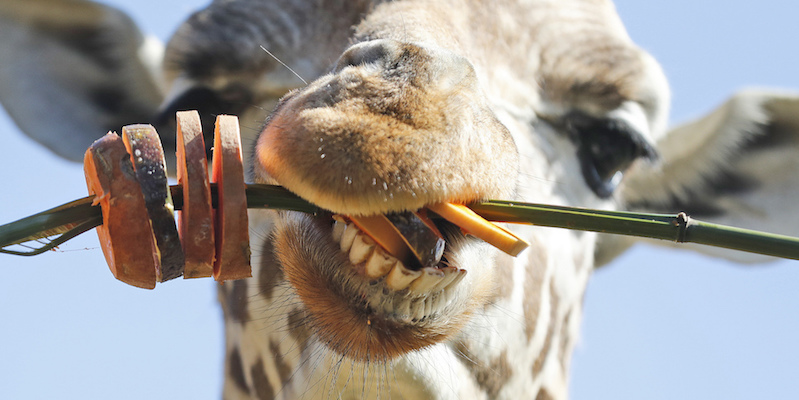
x=217 y=241
x=126 y=235
x=477 y=226
x=147 y=156
x=406 y=236
x=383 y=232
x=195 y=220
x=232 y=234
x=422 y=237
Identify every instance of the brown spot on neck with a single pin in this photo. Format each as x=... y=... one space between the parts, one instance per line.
x=298 y=328
x=503 y=278
x=270 y=274
x=235 y=369
x=234 y=301
x=544 y=394
x=533 y=288
x=263 y=390
x=284 y=370
x=565 y=343
x=491 y=376
x=554 y=301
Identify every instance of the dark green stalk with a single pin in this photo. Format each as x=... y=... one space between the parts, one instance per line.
x=677 y=228
x=76 y=217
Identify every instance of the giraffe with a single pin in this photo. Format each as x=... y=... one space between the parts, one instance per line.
x=259 y=372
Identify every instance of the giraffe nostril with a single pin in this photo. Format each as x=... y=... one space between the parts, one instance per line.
x=372 y=52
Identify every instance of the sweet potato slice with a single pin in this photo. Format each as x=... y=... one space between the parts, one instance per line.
x=232 y=232
x=126 y=235
x=147 y=156
x=195 y=220
x=477 y=226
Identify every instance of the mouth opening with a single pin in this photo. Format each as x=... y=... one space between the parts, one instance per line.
x=365 y=302
x=418 y=275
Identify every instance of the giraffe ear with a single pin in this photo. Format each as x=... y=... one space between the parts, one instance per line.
x=738 y=166
x=79 y=70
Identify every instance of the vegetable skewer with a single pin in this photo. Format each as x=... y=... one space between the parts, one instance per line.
x=129 y=183
x=78 y=216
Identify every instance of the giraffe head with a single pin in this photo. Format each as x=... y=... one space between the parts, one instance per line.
x=407 y=118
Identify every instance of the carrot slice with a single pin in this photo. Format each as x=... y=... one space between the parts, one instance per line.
x=147 y=156
x=230 y=223
x=126 y=235
x=195 y=220
x=477 y=226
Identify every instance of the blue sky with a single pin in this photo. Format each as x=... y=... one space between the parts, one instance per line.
x=658 y=323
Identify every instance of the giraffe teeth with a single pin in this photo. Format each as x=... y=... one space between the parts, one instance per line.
x=440 y=301
x=428 y=280
x=403 y=311
x=417 y=310
x=338 y=227
x=459 y=275
x=348 y=237
x=428 y=306
x=379 y=263
x=450 y=274
x=362 y=247
x=400 y=277
x=377 y=301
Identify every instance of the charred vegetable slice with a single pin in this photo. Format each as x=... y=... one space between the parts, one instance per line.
x=126 y=235
x=232 y=234
x=406 y=236
x=196 y=219
x=147 y=156
x=422 y=237
x=477 y=226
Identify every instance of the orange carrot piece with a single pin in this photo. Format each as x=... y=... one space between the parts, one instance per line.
x=126 y=235
x=230 y=222
x=477 y=226
x=196 y=219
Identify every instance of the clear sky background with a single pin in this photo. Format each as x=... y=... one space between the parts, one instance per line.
x=659 y=324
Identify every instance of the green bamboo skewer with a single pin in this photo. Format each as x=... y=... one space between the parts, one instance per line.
x=678 y=228
x=71 y=219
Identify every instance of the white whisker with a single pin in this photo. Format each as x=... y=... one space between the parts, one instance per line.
x=284 y=64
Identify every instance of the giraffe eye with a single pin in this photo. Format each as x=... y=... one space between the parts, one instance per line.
x=605 y=148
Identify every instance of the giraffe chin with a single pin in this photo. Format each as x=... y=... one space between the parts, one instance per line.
x=362 y=317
